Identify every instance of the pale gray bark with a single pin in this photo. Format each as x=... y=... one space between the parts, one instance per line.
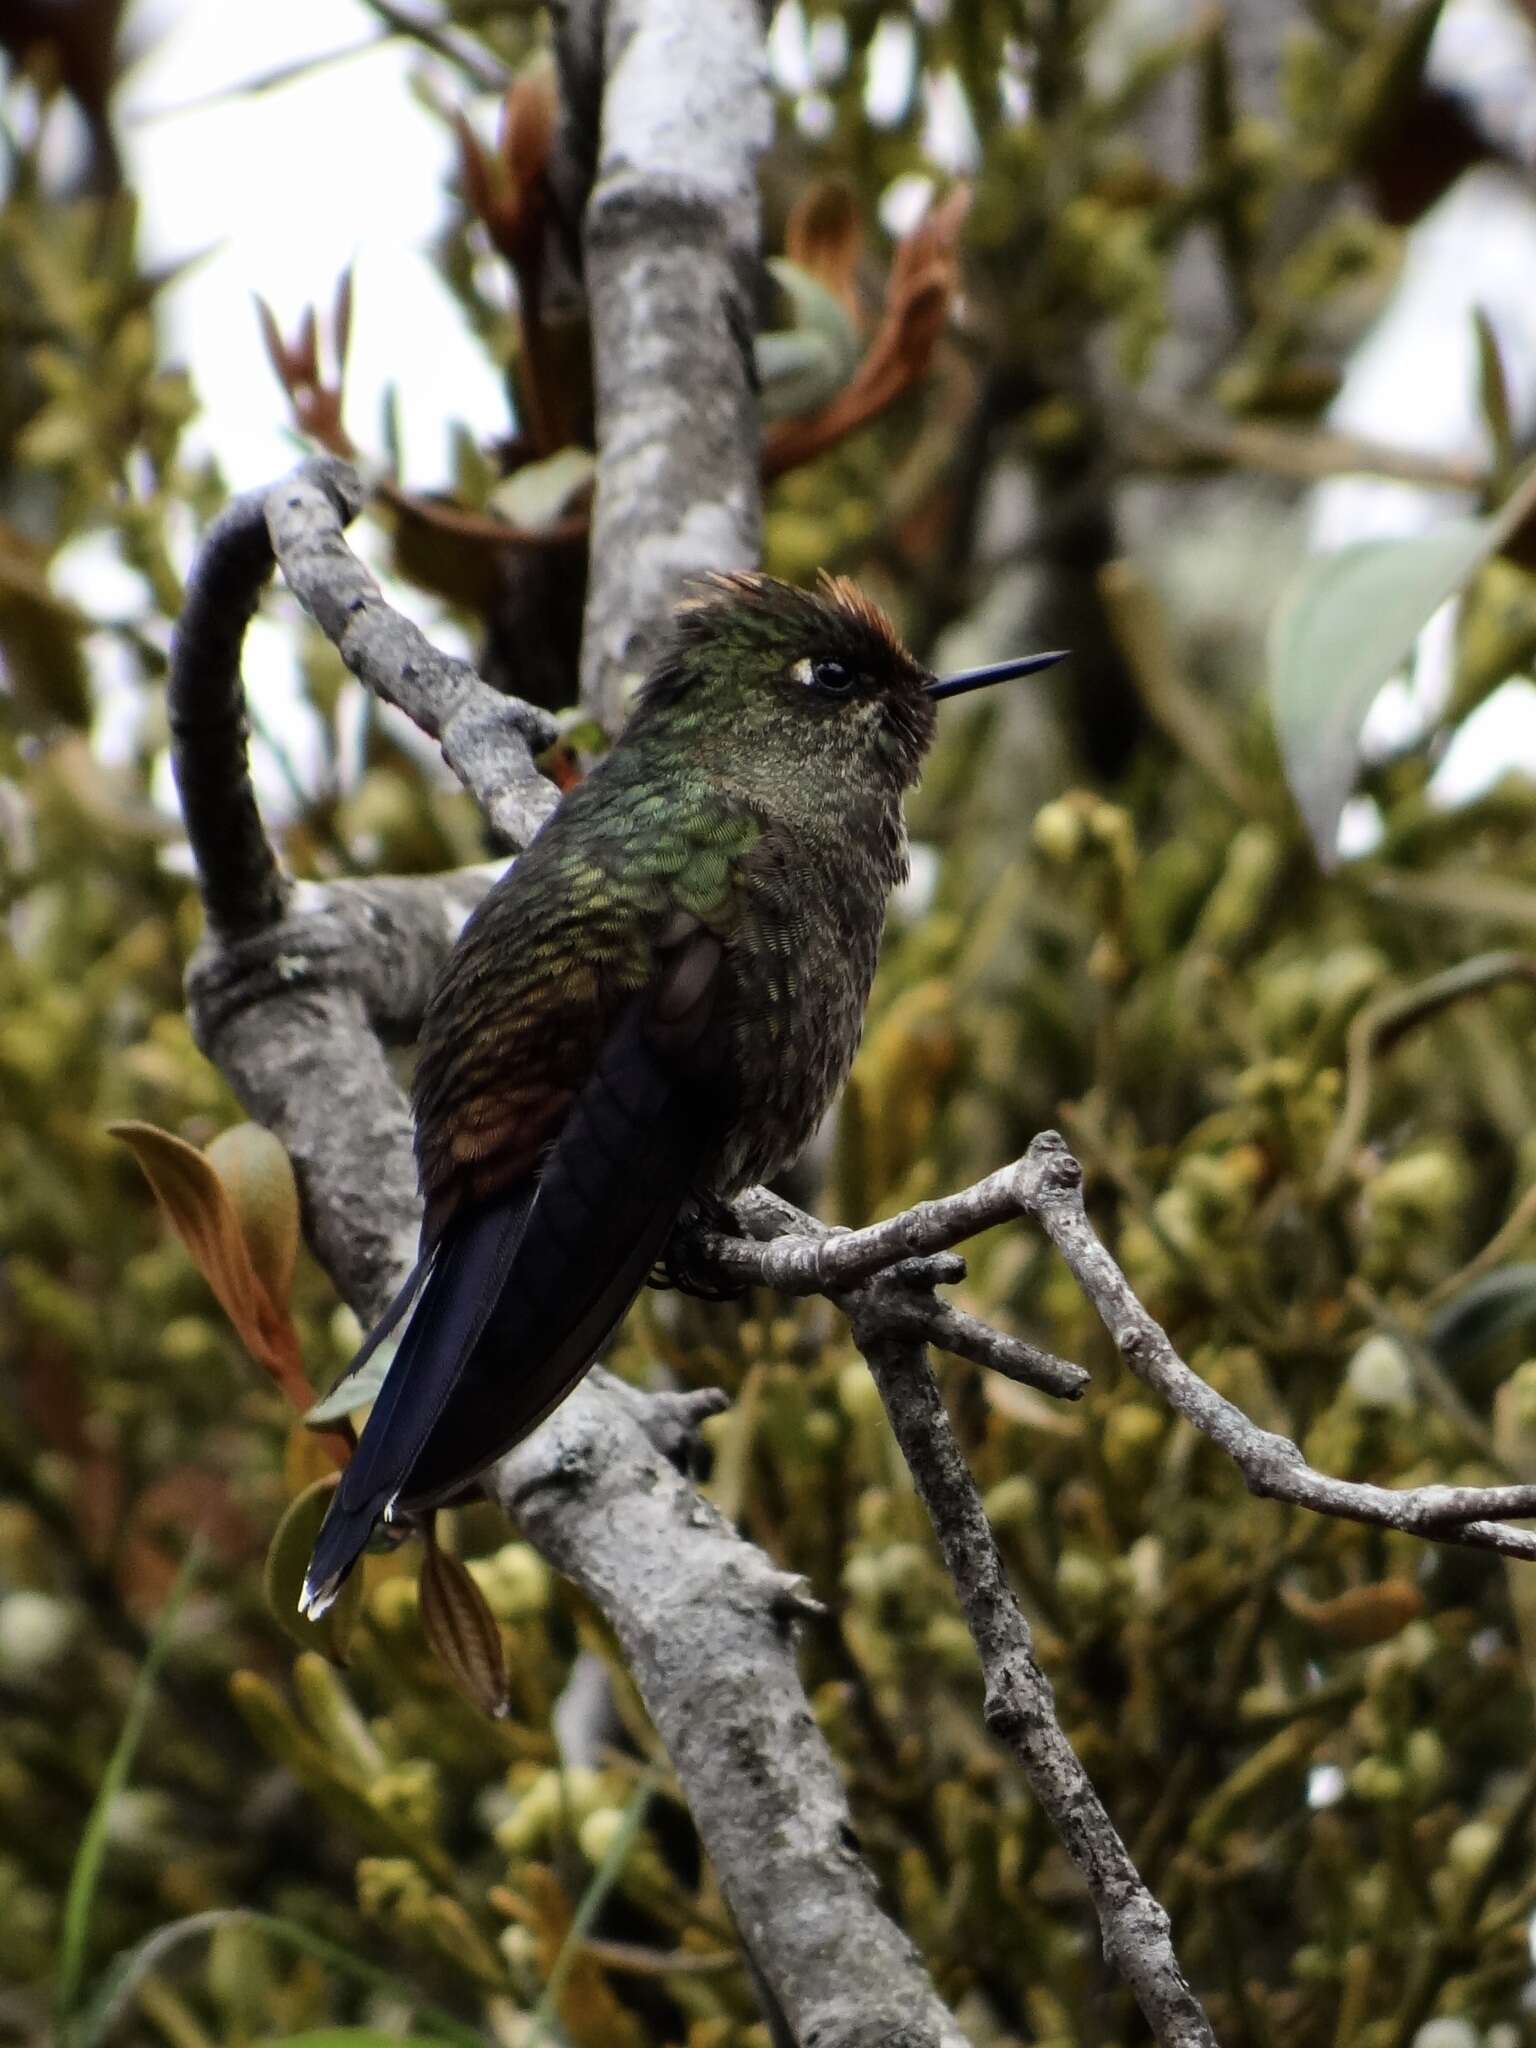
x=804 y=1257
x=1050 y=1187
x=487 y=739
x=706 y=1622
x=1020 y=1707
x=671 y=265
x=878 y=1277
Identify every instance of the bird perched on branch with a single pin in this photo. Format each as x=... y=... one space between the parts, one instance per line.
x=653 y=1007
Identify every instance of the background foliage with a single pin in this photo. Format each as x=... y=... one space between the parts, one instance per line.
x=1315 y=1737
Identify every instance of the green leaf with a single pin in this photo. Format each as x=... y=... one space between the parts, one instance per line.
x=1345 y=625
x=353 y=1390
x=1493 y=391
x=350 y=2037
x=90 y=1857
x=800 y=369
x=1495 y=1306
x=130 y=1968
x=593 y=1899
x=288 y=1556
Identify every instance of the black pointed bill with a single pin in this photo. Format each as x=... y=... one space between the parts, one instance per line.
x=998 y=672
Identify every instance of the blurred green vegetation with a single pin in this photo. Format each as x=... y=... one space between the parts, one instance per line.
x=1316 y=1738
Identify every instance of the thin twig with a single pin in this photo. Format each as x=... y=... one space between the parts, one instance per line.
x=1272 y=1467
x=488 y=740
x=785 y=1242
x=815 y=1260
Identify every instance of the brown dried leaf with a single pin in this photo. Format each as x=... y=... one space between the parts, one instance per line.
x=272 y=341
x=823 y=236
x=306 y=347
x=463 y=1631
x=506 y=191
x=201 y=1211
x=528 y=126
x=316 y=405
x=925 y=276
x=257 y=1175
x=190 y=1192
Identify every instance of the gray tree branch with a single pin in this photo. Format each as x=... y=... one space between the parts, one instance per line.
x=671 y=266
x=882 y=1279
x=790 y=1244
x=487 y=739
x=1020 y=1706
x=1050 y=1188
x=802 y=1256
x=705 y=1623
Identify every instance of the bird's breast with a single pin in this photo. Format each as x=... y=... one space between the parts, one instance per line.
x=802 y=962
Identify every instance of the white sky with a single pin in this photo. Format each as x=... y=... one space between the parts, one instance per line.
x=284 y=189
x=276 y=193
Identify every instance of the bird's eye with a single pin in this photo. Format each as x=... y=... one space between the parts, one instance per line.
x=831 y=678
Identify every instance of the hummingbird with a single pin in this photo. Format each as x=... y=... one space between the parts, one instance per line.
x=651 y=1010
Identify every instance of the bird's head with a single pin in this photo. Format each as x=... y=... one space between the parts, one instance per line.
x=812 y=676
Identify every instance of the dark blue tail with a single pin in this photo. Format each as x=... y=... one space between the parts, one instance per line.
x=465 y=1277
x=523 y=1290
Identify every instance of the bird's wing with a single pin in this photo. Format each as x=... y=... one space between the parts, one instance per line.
x=546 y=968
x=636 y=1139
x=570 y=1096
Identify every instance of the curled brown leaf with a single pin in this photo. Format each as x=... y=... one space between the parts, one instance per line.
x=1361 y=1615
x=461 y=1628
x=924 y=278
x=315 y=402
x=823 y=236
x=242 y=1235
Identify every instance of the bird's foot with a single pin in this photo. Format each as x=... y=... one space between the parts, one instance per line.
x=684 y=1264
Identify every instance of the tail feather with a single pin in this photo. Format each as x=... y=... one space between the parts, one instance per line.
x=626 y=1159
x=412 y=1285
x=466 y=1274
x=523 y=1290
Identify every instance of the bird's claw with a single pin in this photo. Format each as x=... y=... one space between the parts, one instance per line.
x=684 y=1265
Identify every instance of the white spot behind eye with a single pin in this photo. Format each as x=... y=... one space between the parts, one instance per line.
x=804 y=670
